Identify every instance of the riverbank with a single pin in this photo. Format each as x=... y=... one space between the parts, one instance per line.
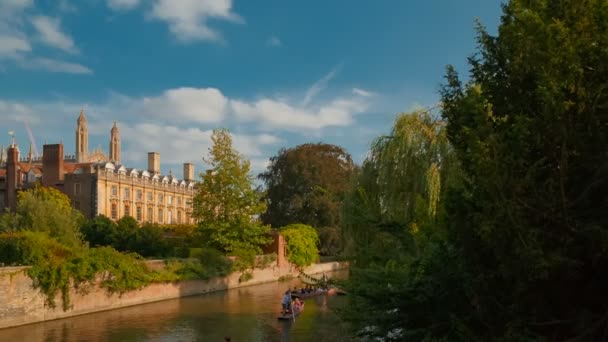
x=22 y=304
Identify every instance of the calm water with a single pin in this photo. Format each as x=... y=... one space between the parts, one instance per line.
x=245 y=314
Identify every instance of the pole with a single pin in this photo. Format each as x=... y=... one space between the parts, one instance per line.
x=293 y=314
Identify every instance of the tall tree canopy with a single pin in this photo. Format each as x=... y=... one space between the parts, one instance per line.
x=531 y=130
x=227 y=205
x=306 y=184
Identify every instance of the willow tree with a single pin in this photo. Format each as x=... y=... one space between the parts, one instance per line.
x=392 y=226
x=398 y=188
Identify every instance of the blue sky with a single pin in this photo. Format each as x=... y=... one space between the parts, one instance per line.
x=275 y=73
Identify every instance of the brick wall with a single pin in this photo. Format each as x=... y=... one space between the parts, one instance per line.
x=21 y=304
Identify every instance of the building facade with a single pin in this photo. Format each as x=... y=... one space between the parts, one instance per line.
x=98 y=184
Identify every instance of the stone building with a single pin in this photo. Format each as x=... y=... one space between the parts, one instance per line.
x=98 y=184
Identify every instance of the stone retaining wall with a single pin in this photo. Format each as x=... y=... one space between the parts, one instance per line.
x=21 y=304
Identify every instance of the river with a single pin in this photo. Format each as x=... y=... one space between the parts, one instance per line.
x=244 y=314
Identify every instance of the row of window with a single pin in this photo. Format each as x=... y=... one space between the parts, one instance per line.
x=149 y=217
x=149 y=196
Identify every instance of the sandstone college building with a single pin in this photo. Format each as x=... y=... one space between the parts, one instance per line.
x=99 y=184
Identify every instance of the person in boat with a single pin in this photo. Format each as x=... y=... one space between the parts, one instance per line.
x=286 y=302
x=302 y=291
x=297 y=305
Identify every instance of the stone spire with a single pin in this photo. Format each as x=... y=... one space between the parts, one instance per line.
x=30 y=154
x=2 y=155
x=82 y=138
x=115 y=144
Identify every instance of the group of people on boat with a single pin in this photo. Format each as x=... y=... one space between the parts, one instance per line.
x=306 y=290
x=288 y=304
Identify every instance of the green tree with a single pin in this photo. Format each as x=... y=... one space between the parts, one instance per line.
x=306 y=184
x=531 y=130
x=302 y=241
x=125 y=234
x=394 y=233
x=227 y=205
x=48 y=210
x=150 y=241
x=99 y=231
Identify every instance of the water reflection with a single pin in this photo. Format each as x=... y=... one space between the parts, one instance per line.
x=245 y=314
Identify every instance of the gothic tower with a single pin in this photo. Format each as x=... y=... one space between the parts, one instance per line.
x=115 y=144
x=82 y=139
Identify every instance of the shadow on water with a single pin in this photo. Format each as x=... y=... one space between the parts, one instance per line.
x=245 y=314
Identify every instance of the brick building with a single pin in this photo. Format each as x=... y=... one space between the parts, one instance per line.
x=98 y=184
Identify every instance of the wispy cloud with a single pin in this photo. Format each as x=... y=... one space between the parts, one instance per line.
x=122 y=5
x=274 y=41
x=52 y=65
x=188 y=19
x=50 y=33
x=17 y=43
x=13 y=40
x=318 y=86
x=13 y=46
x=362 y=92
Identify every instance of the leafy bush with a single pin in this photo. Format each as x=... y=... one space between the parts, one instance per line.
x=46 y=210
x=244 y=259
x=265 y=260
x=28 y=248
x=100 y=231
x=245 y=276
x=181 y=252
x=149 y=241
x=55 y=267
x=302 y=241
x=125 y=235
x=195 y=253
x=214 y=263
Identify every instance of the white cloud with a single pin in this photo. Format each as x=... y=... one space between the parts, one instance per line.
x=121 y=5
x=200 y=105
x=274 y=41
x=178 y=145
x=362 y=92
x=272 y=114
x=188 y=19
x=12 y=46
x=66 y=7
x=13 y=41
x=16 y=112
x=16 y=45
x=10 y=7
x=52 y=65
x=50 y=33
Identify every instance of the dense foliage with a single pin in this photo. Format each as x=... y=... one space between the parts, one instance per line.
x=227 y=205
x=302 y=241
x=519 y=238
x=46 y=210
x=126 y=235
x=306 y=184
x=531 y=131
x=392 y=228
x=56 y=268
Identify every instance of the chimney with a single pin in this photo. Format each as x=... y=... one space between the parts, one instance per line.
x=12 y=162
x=154 y=162
x=52 y=164
x=188 y=172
